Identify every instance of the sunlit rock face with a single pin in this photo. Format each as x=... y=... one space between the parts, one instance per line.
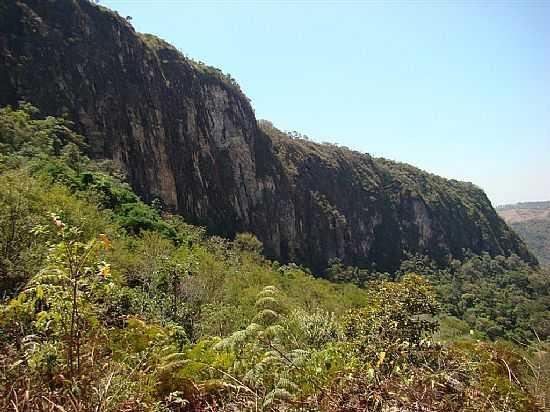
x=187 y=135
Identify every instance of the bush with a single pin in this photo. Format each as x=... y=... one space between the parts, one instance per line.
x=247 y=242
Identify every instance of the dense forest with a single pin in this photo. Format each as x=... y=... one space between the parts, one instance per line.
x=112 y=304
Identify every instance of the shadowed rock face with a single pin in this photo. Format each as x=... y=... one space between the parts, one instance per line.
x=187 y=135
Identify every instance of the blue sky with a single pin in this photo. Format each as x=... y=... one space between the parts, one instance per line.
x=460 y=89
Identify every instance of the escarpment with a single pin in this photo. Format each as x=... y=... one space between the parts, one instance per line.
x=187 y=135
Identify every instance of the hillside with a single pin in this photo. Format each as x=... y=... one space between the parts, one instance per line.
x=112 y=305
x=162 y=250
x=531 y=221
x=520 y=212
x=186 y=136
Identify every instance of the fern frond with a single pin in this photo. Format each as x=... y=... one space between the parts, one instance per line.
x=174 y=357
x=173 y=366
x=287 y=384
x=276 y=394
x=267 y=302
x=49 y=277
x=267 y=316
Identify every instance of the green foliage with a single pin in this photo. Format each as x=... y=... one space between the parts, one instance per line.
x=398 y=312
x=249 y=243
x=496 y=297
x=110 y=305
x=52 y=151
x=338 y=272
x=25 y=203
x=53 y=323
x=22 y=133
x=394 y=324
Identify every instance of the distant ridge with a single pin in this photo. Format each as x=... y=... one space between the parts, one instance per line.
x=531 y=220
x=525 y=205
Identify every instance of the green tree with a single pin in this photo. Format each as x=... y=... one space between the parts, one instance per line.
x=395 y=320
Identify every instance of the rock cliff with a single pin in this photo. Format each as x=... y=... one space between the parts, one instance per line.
x=186 y=134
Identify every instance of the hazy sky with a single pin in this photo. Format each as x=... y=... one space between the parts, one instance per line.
x=460 y=89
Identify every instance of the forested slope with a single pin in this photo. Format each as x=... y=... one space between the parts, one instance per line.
x=110 y=304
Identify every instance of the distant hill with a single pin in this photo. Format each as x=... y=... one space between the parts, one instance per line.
x=531 y=220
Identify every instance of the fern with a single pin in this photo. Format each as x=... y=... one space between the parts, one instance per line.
x=267 y=316
x=276 y=394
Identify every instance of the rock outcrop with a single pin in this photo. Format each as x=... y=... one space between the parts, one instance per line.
x=187 y=135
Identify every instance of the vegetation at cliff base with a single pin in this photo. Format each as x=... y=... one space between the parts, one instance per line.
x=111 y=304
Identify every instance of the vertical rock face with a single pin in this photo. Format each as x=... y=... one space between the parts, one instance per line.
x=187 y=135
x=182 y=135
